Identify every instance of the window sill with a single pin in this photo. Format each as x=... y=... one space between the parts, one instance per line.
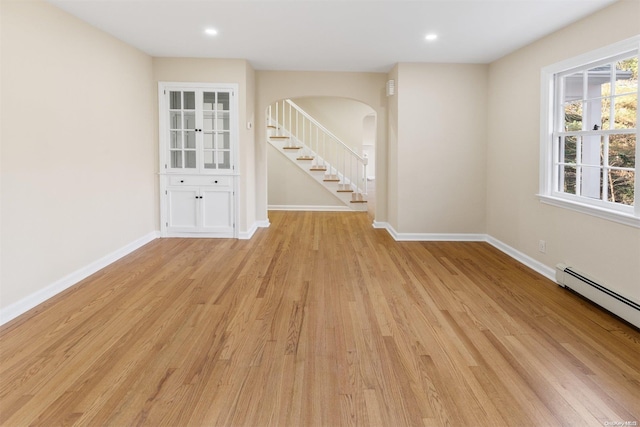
x=619 y=217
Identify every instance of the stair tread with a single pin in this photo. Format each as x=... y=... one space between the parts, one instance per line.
x=357 y=201
x=279 y=137
x=291 y=148
x=345 y=191
x=318 y=169
x=304 y=158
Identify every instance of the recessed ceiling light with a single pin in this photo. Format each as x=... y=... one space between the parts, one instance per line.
x=211 y=31
x=431 y=37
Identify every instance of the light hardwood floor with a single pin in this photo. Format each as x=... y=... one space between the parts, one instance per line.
x=319 y=320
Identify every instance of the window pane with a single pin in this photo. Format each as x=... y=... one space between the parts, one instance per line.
x=176 y=159
x=573 y=116
x=599 y=81
x=223 y=121
x=569 y=150
x=591 y=182
x=621 y=187
x=622 y=151
x=625 y=110
x=190 y=159
x=598 y=113
x=189 y=120
x=176 y=141
x=209 y=100
x=223 y=101
x=208 y=141
x=573 y=87
x=223 y=159
x=190 y=139
x=208 y=120
x=174 y=100
x=627 y=76
x=598 y=101
x=568 y=181
x=175 y=120
x=222 y=141
x=189 y=100
x=209 y=160
x=592 y=149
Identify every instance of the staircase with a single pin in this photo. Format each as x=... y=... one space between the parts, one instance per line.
x=319 y=153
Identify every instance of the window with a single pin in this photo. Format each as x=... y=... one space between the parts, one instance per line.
x=589 y=133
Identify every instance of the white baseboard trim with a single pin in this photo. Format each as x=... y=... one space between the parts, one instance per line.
x=546 y=271
x=246 y=235
x=308 y=208
x=16 y=309
x=429 y=237
x=537 y=266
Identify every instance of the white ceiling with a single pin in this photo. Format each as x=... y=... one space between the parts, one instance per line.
x=330 y=35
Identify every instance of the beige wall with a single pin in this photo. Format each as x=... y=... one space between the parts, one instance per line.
x=238 y=71
x=441 y=141
x=343 y=117
x=604 y=249
x=364 y=87
x=78 y=147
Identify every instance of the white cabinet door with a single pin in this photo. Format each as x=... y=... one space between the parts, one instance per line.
x=182 y=204
x=204 y=209
x=217 y=210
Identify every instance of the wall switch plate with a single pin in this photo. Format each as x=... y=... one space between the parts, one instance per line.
x=542 y=246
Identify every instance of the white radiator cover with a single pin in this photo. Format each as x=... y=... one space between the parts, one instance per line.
x=597 y=292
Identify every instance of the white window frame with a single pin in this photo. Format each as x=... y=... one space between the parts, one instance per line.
x=629 y=215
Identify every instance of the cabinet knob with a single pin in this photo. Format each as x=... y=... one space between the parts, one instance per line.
x=215 y=182
x=182 y=180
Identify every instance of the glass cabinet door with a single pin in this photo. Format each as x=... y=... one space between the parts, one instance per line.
x=200 y=134
x=216 y=109
x=182 y=130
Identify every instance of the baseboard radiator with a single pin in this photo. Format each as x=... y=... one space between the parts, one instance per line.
x=591 y=289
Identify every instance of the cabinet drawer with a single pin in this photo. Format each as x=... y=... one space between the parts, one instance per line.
x=218 y=181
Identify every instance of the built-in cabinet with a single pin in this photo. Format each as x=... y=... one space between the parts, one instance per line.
x=198 y=152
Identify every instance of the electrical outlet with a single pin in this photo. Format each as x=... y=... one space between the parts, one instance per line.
x=542 y=246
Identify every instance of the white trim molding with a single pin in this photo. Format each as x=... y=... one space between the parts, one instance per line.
x=312 y=208
x=246 y=235
x=429 y=237
x=614 y=216
x=20 y=307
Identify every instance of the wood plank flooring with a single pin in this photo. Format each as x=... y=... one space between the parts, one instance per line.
x=319 y=320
